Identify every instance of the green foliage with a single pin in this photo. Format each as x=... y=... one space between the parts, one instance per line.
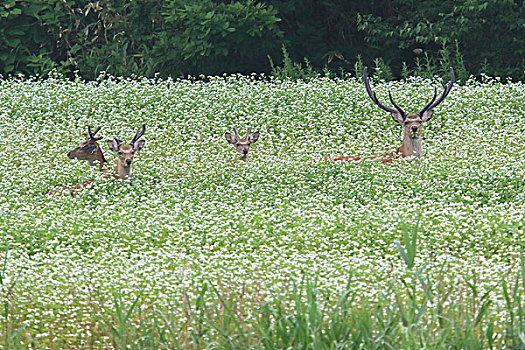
x=82 y=36
x=25 y=46
x=408 y=253
x=514 y=302
x=359 y=68
x=14 y=333
x=119 y=329
x=382 y=70
x=176 y=37
x=323 y=31
x=142 y=37
x=423 y=315
x=205 y=37
x=471 y=31
x=291 y=69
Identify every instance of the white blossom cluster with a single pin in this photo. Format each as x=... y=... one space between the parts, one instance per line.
x=193 y=214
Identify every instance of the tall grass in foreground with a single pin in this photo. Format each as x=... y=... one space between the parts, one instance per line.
x=415 y=312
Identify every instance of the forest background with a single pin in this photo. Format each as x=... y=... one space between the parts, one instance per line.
x=295 y=38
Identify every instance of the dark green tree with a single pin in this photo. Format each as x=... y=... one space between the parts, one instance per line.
x=176 y=37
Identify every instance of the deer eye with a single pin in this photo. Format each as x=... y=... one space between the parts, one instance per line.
x=120 y=153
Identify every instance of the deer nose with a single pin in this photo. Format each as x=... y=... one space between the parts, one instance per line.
x=70 y=155
x=128 y=161
x=414 y=129
x=245 y=151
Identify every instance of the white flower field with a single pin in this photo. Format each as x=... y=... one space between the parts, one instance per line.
x=193 y=215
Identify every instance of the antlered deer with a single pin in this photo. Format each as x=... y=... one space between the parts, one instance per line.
x=412 y=123
x=125 y=157
x=90 y=150
x=242 y=145
x=125 y=153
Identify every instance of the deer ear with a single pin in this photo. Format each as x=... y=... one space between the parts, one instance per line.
x=230 y=138
x=254 y=137
x=427 y=115
x=398 y=118
x=113 y=145
x=138 y=145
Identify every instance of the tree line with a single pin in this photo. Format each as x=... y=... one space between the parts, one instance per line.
x=290 y=37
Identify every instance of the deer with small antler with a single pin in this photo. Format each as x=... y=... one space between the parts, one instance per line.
x=126 y=152
x=412 y=123
x=90 y=150
x=242 y=145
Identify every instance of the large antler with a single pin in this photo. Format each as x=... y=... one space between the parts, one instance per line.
x=446 y=90
x=91 y=135
x=432 y=104
x=138 y=135
x=428 y=106
x=376 y=101
x=403 y=114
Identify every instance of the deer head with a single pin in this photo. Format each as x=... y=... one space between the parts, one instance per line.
x=411 y=123
x=242 y=145
x=126 y=152
x=89 y=150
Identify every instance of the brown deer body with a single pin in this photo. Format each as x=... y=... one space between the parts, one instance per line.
x=125 y=158
x=412 y=123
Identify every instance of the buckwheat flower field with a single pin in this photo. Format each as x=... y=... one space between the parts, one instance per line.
x=195 y=224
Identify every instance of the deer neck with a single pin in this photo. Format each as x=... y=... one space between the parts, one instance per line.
x=122 y=171
x=100 y=159
x=411 y=146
